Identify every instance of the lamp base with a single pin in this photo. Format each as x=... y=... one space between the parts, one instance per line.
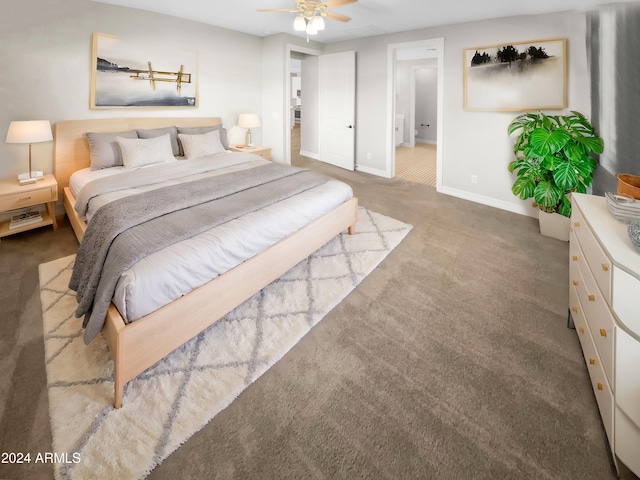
x=26 y=179
x=37 y=174
x=248 y=142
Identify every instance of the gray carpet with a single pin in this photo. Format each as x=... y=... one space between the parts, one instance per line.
x=451 y=360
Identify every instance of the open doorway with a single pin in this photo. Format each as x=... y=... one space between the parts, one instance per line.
x=416 y=120
x=295 y=111
x=415 y=103
x=301 y=85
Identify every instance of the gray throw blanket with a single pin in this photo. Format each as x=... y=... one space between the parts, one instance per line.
x=126 y=230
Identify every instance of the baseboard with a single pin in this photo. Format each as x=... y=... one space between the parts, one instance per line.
x=307 y=154
x=417 y=140
x=491 y=202
x=372 y=171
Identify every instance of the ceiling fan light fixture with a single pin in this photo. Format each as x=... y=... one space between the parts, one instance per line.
x=318 y=22
x=311 y=30
x=300 y=24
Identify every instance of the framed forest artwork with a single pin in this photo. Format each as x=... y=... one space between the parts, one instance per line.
x=516 y=76
x=128 y=72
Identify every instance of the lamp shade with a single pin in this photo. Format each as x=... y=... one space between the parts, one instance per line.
x=318 y=22
x=30 y=131
x=299 y=24
x=311 y=28
x=249 y=120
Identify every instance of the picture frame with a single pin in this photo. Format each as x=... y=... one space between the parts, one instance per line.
x=132 y=73
x=516 y=76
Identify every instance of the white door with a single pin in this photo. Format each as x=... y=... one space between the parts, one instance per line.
x=337 y=98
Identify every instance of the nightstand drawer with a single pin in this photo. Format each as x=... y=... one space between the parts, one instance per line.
x=26 y=199
x=260 y=150
x=266 y=155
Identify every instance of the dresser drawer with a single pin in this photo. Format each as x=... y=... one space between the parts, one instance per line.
x=26 y=199
x=599 y=382
x=627 y=441
x=597 y=314
x=627 y=378
x=601 y=386
x=577 y=315
x=626 y=299
x=628 y=399
x=598 y=261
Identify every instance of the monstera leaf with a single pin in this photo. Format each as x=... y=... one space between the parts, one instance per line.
x=547 y=142
x=554 y=157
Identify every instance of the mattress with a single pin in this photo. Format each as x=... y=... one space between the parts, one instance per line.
x=166 y=275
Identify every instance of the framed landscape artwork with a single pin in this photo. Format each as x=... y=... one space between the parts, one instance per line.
x=516 y=76
x=130 y=73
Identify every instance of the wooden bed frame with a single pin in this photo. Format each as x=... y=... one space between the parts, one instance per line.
x=139 y=345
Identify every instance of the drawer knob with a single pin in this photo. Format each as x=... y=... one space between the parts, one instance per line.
x=599 y=386
x=591 y=297
x=25 y=198
x=576 y=224
x=574 y=309
x=603 y=332
x=605 y=267
x=575 y=282
x=581 y=329
x=575 y=258
x=592 y=361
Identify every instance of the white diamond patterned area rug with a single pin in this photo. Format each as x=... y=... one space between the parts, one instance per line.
x=169 y=402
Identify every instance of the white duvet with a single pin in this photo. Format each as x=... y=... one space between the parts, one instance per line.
x=176 y=270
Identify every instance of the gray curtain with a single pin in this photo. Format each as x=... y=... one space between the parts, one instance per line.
x=613 y=37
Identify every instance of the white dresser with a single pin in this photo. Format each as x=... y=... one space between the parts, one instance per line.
x=604 y=302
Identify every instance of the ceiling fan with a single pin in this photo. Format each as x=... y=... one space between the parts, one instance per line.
x=311 y=13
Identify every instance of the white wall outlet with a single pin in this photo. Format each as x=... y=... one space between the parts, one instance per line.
x=474 y=179
x=368 y=155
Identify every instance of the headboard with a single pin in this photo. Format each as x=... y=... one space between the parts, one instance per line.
x=71 y=148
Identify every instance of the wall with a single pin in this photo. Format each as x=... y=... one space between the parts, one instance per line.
x=613 y=34
x=310 y=128
x=46 y=53
x=46 y=46
x=474 y=143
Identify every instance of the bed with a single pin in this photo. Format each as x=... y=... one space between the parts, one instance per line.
x=137 y=345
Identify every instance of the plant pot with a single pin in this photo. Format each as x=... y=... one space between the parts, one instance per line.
x=554 y=225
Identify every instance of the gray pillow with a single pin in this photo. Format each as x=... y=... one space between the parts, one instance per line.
x=104 y=149
x=158 y=132
x=200 y=130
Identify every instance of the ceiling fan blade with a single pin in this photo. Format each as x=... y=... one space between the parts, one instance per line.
x=337 y=3
x=279 y=10
x=335 y=16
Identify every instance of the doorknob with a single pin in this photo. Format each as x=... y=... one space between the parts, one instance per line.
x=349 y=126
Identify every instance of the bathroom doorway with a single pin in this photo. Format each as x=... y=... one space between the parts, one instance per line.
x=416 y=99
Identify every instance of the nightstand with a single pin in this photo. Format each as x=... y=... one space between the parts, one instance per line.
x=264 y=152
x=14 y=196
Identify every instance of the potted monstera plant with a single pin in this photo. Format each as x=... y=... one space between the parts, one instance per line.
x=555 y=155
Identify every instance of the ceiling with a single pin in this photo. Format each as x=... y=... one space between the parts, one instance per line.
x=369 y=17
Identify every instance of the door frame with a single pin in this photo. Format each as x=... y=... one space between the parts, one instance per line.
x=392 y=48
x=287 y=94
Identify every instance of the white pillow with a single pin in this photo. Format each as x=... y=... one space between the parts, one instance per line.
x=141 y=152
x=201 y=145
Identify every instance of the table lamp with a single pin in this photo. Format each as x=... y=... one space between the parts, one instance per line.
x=31 y=131
x=249 y=121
